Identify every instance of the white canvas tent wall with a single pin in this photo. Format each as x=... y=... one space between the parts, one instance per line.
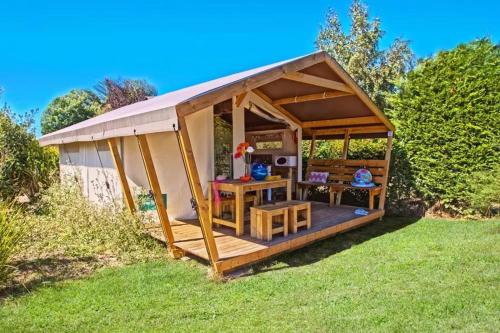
x=84 y=162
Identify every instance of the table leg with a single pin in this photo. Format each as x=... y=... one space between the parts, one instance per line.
x=371 y=199
x=240 y=211
x=259 y=197
x=332 y=197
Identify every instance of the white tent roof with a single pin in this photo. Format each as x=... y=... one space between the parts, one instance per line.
x=157 y=114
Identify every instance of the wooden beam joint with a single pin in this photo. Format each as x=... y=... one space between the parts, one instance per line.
x=240 y=98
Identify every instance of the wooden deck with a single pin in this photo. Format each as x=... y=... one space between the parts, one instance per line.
x=235 y=252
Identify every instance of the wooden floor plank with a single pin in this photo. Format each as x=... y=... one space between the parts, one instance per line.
x=235 y=251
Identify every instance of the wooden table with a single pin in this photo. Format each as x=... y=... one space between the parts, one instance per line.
x=239 y=189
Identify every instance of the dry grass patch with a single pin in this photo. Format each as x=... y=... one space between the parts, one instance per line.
x=66 y=236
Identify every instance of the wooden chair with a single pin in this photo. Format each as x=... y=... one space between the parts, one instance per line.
x=268 y=220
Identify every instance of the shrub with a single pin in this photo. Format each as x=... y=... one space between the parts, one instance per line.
x=447 y=113
x=484 y=196
x=10 y=234
x=25 y=167
x=66 y=223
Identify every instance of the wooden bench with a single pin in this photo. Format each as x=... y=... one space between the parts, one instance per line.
x=341 y=174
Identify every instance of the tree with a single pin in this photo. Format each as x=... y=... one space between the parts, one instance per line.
x=447 y=112
x=359 y=54
x=375 y=70
x=76 y=106
x=118 y=93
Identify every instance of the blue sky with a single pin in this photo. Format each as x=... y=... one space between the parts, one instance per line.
x=49 y=47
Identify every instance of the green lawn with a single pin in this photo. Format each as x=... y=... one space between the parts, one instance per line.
x=398 y=275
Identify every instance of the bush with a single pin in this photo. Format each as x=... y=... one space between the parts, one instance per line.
x=447 y=113
x=484 y=194
x=10 y=234
x=66 y=223
x=25 y=167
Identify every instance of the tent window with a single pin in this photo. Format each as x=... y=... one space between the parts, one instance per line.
x=102 y=145
x=269 y=145
x=269 y=141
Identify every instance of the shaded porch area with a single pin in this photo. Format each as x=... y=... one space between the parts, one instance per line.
x=237 y=251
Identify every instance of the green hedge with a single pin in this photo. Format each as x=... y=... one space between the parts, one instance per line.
x=447 y=113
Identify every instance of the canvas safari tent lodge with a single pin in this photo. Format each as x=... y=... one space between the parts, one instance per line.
x=176 y=143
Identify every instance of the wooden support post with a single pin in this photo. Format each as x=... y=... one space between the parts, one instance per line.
x=299 y=155
x=155 y=187
x=289 y=189
x=238 y=126
x=313 y=144
x=345 y=151
x=386 y=175
x=303 y=190
x=127 y=194
x=199 y=197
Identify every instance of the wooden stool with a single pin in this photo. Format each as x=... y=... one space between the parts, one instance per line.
x=262 y=219
x=228 y=204
x=252 y=198
x=295 y=209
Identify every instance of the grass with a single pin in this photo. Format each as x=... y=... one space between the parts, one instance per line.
x=399 y=275
x=62 y=236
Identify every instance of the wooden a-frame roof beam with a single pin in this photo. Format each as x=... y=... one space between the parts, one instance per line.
x=311 y=97
x=216 y=96
x=369 y=120
x=288 y=71
x=334 y=65
x=267 y=100
x=317 y=81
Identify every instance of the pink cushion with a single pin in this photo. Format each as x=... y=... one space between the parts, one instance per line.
x=318 y=177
